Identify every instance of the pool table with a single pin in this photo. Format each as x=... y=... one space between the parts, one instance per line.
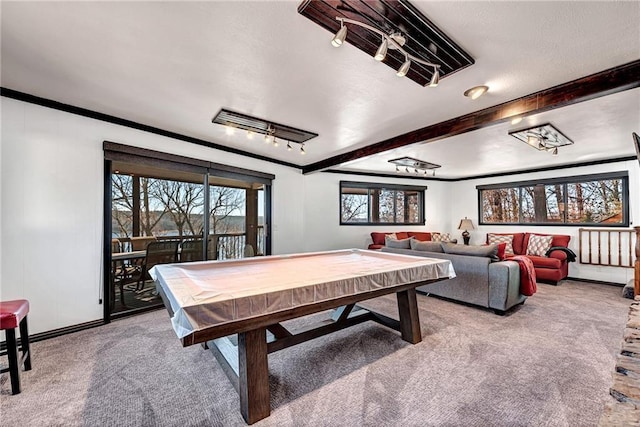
x=211 y=301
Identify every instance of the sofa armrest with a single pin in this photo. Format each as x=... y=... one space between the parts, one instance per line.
x=561 y=255
x=504 y=285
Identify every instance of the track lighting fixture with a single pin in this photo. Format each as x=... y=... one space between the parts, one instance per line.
x=393 y=41
x=274 y=133
x=543 y=138
x=418 y=166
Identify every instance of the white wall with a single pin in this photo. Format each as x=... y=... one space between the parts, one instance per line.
x=465 y=202
x=52 y=214
x=322 y=212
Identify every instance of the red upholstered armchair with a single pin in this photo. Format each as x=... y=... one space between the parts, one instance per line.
x=549 y=269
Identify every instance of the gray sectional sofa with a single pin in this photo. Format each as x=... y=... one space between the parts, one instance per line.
x=478 y=281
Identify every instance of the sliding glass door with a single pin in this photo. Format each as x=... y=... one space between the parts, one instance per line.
x=166 y=214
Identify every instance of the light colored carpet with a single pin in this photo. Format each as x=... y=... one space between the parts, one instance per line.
x=548 y=363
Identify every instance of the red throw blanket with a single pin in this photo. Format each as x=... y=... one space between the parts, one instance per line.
x=528 y=285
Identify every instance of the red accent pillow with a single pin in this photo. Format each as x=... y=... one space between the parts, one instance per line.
x=502 y=247
x=401 y=235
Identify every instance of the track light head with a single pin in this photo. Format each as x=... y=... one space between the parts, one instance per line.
x=289 y=146
x=382 y=50
x=340 y=36
x=404 y=68
x=435 y=79
x=275 y=142
x=302 y=152
x=406 y=169
x=554 y=152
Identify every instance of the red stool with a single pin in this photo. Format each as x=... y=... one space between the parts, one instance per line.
x=14 y=314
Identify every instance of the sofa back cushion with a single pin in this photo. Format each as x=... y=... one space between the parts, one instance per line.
x=489 y=251
x=390 y=242
x=400 y=235
x=378 y=238
x=420 y=235
x=417 y=245
x=558 y=239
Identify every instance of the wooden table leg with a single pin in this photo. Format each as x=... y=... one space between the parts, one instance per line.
x=409 y=318
x=253 y=378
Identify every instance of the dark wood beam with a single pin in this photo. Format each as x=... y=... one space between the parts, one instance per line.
x=604 y=83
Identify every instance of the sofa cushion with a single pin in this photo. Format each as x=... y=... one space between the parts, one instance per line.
x=419 y=235
x=417 y=245
x=397 y=243
x=441 y=237
x=545 y=262
x=378 y=238
x=538 y=245
x=506 y=239
x=490 y=251
x=375 y=247
x=400 y=235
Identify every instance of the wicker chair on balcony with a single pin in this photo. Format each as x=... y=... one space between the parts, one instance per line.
x=157 y=253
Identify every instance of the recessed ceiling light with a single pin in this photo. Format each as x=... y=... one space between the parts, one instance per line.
x=476 y=91
x=516 y=120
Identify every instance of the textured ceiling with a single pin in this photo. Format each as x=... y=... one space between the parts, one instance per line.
x=174 y=65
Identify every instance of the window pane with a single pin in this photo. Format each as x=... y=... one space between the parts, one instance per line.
x=595 y=202
x=400 y=217
x=412 y=200
x=555 y=203
x=500 y=205
x=122 y=205
x=527 y=204
x=354 y=205
x=386 y=209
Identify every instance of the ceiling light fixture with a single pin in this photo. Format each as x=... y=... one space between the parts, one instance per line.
x=543 y=138
x=476 y=91
x=516 y=120
x=418 y=166
x=274 y=133
x=393 y=41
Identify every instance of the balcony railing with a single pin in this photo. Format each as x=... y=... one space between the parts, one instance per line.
x=227 y=245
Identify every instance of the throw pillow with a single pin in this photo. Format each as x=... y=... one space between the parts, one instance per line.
x=417 y=245
x=390 y=242
x=489 y=251
x=441 y=237
x=539 y=245
x=502 y=238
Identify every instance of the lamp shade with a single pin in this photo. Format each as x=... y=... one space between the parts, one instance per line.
x=466 y=224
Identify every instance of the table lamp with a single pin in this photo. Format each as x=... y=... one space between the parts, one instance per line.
x=466 y=224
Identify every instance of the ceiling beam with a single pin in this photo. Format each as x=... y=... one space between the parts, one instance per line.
x=613 y=80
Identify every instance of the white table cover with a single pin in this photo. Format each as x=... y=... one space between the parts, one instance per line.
x=217 y=292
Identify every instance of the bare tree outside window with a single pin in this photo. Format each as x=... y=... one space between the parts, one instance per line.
x=601 y=201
